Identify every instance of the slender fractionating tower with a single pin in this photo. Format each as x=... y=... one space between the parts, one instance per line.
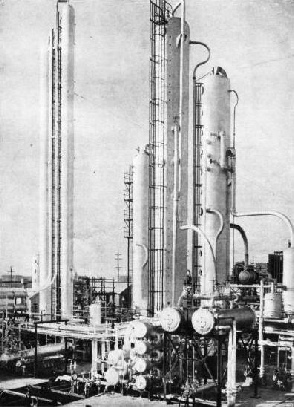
x=57 y=156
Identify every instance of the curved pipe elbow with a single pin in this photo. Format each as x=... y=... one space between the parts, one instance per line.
x=198 y=230
x=202 y=62
x=245 y=240
x=221 y=220
x=47 y=285
x=144 y=247
x=279 y=215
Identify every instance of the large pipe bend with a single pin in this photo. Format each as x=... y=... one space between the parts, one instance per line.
x=47 y=285
x=270 y=213
x=221 y=220
x=200 y=231
x=245 y=240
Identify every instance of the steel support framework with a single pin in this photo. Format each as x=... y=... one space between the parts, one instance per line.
x=160 y=11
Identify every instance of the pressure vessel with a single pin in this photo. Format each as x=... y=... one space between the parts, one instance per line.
x=247 y=276
x=204 y=320
x=141 y=382
x=111 y=377
x=140 y=328
x=216 y=179
x=141 y=365
x=142 y=347
x=140 y=230
x=170 y=319
x=95 y=313
x=273 y=306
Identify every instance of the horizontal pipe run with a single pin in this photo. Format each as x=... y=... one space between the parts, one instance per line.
x=270 y=213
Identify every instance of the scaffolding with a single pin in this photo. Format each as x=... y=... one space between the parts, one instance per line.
x=87 y=290
x=128 y=231
x=197 y=182
x=56 y=171
x=160 y=12
x=53 y=186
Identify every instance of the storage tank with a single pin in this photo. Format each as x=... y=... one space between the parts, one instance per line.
x=273 y=305
x=216 y=179
x=288 y=280
x=140 y=230
x=95 y=313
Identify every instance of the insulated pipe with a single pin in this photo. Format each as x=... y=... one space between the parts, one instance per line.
x=198 y=230
x=202 y=62
x=260 y=330
x=182 y=40
x=245 y=240
x=44 y=286
x=175 y=207
x=234 y=147
x=146 y=253
x=270 y=213
x=231 y=367
x=221 y=219
x=176 y=7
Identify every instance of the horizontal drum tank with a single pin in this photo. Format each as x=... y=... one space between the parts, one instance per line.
x=140 y=230
x=216 y=180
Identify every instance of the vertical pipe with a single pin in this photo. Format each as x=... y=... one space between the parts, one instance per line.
x=94 y=354
x=255 y=372
x=102 y=355
x=66 y=355
x=292 y=367
x=36 y=351
x=231 y=367
x=175 y=207
x=260 y=329
x=219 y=372
x=164 y=367
x=183 y=16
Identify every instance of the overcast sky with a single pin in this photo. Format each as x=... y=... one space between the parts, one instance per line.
x=252 y=40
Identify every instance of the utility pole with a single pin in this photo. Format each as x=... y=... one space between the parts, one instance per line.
x=11 y=271
x=118 y=260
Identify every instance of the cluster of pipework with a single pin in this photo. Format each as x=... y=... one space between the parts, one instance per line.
x=139 y=362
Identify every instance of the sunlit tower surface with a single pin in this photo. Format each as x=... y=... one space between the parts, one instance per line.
x=57 y=156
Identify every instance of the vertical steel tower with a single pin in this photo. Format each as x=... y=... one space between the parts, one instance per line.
x=56 y=220
x=160 y=12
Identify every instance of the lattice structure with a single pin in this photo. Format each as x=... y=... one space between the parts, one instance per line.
x=128 y=218
x=160 y=12
x=56 y=169
x=197 y=182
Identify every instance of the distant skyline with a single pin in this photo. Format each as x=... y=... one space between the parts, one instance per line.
x=254 y=43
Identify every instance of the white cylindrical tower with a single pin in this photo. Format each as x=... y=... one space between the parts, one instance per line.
x=216 y=177
x=45 y=179
x=140 y=230
x=66 y=13
x=288 y=280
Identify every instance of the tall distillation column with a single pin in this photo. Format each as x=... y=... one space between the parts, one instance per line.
x=140 y=230
x=216 y=181
x=56 y=223
x=177 y=158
